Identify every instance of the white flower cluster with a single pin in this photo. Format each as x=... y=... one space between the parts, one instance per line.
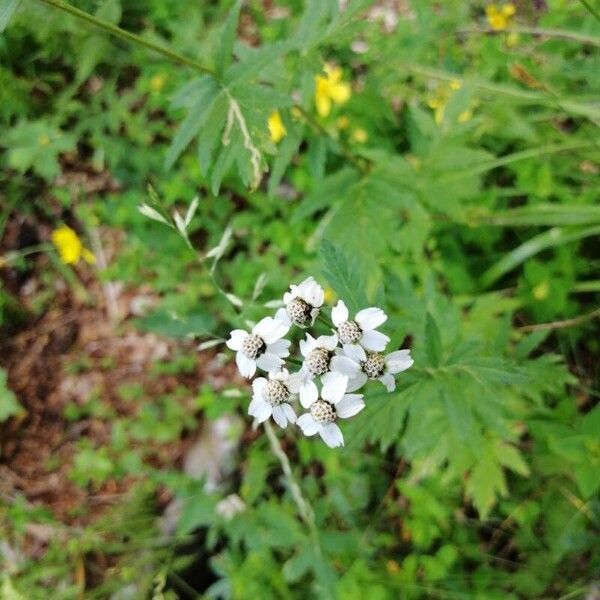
x=342 y=362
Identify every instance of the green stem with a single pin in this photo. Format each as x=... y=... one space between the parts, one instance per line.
x=128 y=36
x=563 y=34
x=325 y=320
x=591 y=9
x=362 y=166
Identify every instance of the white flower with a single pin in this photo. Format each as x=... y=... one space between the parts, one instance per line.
x=230 y=506
x=271 y=397
x=317 y=356
x=303 y=302
x=361 y=331
x=263 y=347
x=360 y=366
x=334 y=403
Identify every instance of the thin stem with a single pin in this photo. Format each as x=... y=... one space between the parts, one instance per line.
x=562 y=324
x=304 y=508
x=294 y=361
x=128 y=36
x=572 y=36
x=321 y=317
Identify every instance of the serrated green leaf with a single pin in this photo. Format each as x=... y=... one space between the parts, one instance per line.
x=224 y=53
x=343 y=277
x=205 y=95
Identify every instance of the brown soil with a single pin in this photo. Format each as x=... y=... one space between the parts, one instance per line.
x=64 y=355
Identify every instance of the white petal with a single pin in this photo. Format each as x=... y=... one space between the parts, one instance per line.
x=280 y=375
x=305 y=287
x=315 y=295
x=269 y=362
x=357 y=382
x=263 y=412
x=256 y=406
x=332 y=435
x=398 y=361
x=282 y=316
x=307 y=424
x=339 y=313
x=307 y=345
x=334 y=386
x=279 y=348
x=237 y=339
x=288 y=297
x=289 y=412
x=329 y=342
x=389 y=381
x=263 y=327
x=345 y=366
x=355 y=352
x=246 y=365
x=374 y=340
x=370 y=318
x=279 y=416
x=294 y=382
x=258 y=385
x=308 y=393
x=349 y=405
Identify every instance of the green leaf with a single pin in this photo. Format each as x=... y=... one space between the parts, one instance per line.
x=433 y=341
x=486 y=481
x=9 y=407
x=7 y=10
x=206 y=94
x=225 y=49
x=553 y=238
x=343 y=277
x=164 y=323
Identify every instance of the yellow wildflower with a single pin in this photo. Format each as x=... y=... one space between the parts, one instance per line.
x=329 y=294
x=360 y=135
x=541 y=291
x=512 y=39
x=70 y=247
x=343 y=122
x=44 y=140
x=330 y=88
x=455 y=84
x=276 y=127
x=465 y=115
x=157 y=82
x=499 y=17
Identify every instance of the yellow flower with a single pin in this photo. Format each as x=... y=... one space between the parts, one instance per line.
x=512 y=39
x=343 y=122
x=44 y=140
x=69 y=246
x=465 y=115
x=541 y=291
x=499 y=17
x=360 y=135
x=328 y=294
x=330 y=88
x=157 y=82
x=276 y=127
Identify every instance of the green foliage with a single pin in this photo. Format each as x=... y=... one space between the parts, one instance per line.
x=456 y=188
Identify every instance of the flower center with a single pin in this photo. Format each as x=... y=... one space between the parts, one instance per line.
x=253 y=346
x=275 y=392
x=374 y=366
x=349 y=332
x=299 y=311
x=323 y=412
x=317 y=361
